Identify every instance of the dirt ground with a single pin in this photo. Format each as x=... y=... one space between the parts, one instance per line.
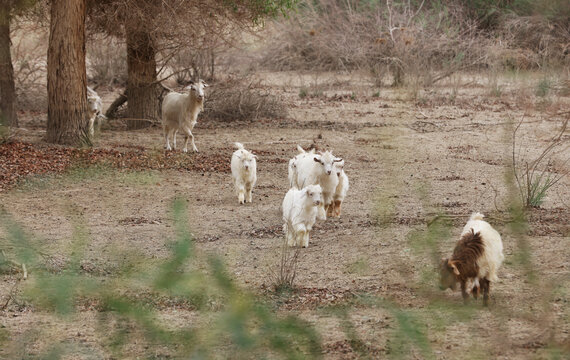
x=410 y=154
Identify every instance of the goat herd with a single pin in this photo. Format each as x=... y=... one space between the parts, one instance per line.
x=318 y=187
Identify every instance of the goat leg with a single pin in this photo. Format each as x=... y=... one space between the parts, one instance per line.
x=464 y=292
x=485 y=286
x=337 y=205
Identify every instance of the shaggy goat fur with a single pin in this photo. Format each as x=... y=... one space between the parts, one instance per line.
x=476 y=259
x=244 y=172
x=301 y=208
x=95 y=108
x=180 y=112
x=318 y=169
x=293 y=163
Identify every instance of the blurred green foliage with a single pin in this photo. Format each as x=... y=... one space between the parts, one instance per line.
x=239 y=325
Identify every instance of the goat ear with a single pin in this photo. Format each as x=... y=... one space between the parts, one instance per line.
x=337 y=160
x=453 y=266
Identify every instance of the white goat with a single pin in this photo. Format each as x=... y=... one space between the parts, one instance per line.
x=244 y=172
x=180 y=112
x=341 y=189
x=476 y=259
x=318 y=169
x=301 y=208
x=292 y=169
x=95 y=109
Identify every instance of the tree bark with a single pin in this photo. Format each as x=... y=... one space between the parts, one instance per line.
x=67 y=76
x=143 y=90
x=8 y=115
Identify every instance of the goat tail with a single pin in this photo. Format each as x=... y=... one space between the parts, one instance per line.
x=239 y=145
x=476 y=216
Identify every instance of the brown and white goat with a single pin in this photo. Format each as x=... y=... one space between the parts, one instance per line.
x=476 y=259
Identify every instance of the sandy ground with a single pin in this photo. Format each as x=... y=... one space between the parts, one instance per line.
x=409 y=156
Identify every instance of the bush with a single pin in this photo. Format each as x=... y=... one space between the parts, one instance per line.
x=407 y=43
x=29 y=49
x=534 y=41
x=535 y=177
x=243 y=99
x=418 y=44
x=107 y=62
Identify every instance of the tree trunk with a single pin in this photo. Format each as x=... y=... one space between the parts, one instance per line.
x=67 y=77
x=8 y=116
x=143 y=90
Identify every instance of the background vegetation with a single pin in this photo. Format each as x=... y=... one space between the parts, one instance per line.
x=412 y=45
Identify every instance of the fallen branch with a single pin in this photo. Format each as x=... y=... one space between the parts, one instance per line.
x=115 y=105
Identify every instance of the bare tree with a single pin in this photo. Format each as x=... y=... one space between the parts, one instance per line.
x=157 y=30
x=67 y=77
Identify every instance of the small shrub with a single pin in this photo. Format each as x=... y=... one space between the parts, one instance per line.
x=286 y=272
x=538 y=189
x=534 y=177
x=29 y=59
x=543 y=88
x=238 y=99
x=415 y=42
x=303 y=93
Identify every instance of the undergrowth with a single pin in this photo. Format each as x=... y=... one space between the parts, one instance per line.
x=239 y=325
